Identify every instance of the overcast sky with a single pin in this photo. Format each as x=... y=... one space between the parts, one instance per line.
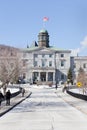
x=21 y=21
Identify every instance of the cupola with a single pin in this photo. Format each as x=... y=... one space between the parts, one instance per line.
x=43 y=38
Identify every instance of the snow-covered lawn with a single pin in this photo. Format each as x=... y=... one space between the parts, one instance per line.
x=12 y=90
x=79 y=91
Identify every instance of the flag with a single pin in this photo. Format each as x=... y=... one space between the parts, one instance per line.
x=45 y=19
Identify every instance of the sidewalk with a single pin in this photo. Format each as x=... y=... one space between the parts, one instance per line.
x=75 y=102
x=13 y=102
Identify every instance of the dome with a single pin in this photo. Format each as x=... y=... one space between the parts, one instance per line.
x=43 y=31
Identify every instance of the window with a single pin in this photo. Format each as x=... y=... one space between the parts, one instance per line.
x=43 y=38
x=43 y=55
x=74 y=65
x=35 y=76
x=84 y=65
x=35 y=55
x=62 y=63
x=43 y=63
x=62 y=76
x=50 y=63
x=50 y=55
x=50 y=76
x=62 y=55
x=35 y=63
x=40 y=38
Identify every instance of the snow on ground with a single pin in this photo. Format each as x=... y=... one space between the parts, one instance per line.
x=12 y=90
x=44 y=110
x=42 y=86
x=78 y=90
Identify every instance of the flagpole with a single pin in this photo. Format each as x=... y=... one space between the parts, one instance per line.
x=45 y=19
x=43 y=25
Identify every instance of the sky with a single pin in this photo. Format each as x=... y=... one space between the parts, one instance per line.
x=22 y=20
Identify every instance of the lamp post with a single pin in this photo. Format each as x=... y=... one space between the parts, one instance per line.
x=68 y=82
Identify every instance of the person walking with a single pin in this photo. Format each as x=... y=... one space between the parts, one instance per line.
x=1 y=97
x=8 y=96
x=64 y=88
x=23 y=91
x=56 y=86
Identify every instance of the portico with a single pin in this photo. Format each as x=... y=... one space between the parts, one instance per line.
x=44 y=76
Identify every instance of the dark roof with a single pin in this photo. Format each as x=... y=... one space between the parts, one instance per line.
x=34 y=44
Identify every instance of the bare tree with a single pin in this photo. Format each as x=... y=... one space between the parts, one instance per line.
x=10 y=66
x=82 y=78
x=10 y=71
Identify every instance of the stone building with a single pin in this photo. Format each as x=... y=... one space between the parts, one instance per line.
x=44 y=63
x=40 y=62
x=78 y=62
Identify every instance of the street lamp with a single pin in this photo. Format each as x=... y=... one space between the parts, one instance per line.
x=68 y=80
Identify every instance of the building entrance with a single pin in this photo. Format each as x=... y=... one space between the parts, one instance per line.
x=43 y=76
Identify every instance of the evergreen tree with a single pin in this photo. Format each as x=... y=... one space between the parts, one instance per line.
x=70 y=76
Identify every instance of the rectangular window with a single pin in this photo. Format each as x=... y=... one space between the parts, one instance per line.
x=84 y=65
x=35 y=63
x=35 y=76
x=62 y=76
x=62 y=55
x=43 y=63
x=43 y=38
x=43 y=55
x=62 y=63
x=35 y=55
x=50 y=63
x=50 y=55
x=50 y=76
x=74 y=65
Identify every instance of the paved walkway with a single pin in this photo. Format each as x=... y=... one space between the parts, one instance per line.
x=13 y=102
x=46 y=109
x=75 y=102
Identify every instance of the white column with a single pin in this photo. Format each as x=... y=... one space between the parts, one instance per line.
x=53 y=77
x=39 y=76
x=32 y=76
x=46 y=76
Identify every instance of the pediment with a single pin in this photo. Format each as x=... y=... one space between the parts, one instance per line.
x=39 y=50
x=45 y=50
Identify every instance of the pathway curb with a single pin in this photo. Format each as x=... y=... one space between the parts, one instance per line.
x=14 y=105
